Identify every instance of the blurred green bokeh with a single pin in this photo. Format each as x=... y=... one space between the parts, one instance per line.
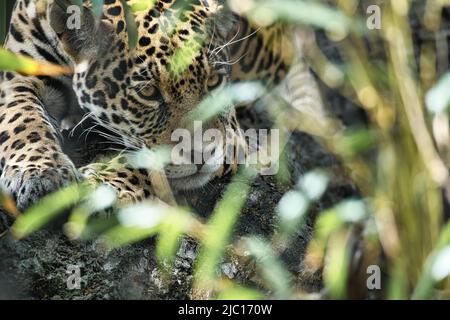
x=399 y=164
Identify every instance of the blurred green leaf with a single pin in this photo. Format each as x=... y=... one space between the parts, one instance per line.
x=273 y=271
x=155 y=159
x=314 y=184
x=435 y=268
x=336 y=269
x=355 y=142
x=140 y=221
x=220 y=226
x=328 y=222
x=174 y=227
x=144 y=215
x=221 y=100
x=292 y=210
x=236 y=292
x=426 y=283
x=137 y=222
x=10 y=61
x=438 y=97
x=305 y=12
x=397 y=285
x=441 y=265
x=294 y=205
x=120 y=236
x=352 y=211
x=348 y=211
x=48 y=208
x=97 y=7
x=100 y=199
x=132 y=29
x=444 y=237
x=95 y=227
x=141 y=5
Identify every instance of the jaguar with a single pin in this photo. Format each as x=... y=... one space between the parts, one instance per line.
x=140 y=93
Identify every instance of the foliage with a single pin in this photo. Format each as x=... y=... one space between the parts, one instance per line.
x=26 y=65
x=399 y=163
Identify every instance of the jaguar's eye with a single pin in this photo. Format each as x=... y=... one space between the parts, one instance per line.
x=149 y=92
x=216 y=79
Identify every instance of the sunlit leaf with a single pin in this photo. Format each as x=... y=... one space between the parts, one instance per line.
x=100 y=199
x=314 y=184
x=143 y=215
x=273 y=271
x=175 y=225
x=355 y=142
x=142 y=220
x=436 y=268
x=222 y=100
x=438 y=98
x=141 y=5
x=132 y=29
x=235 y=292
x=48 y=208
x=444 y=237
x=337 y=265
x=327 y=222
x=220 y=226
x=97 y=7
x=12 y=62
x=120 y=236
x=425 y=284
x=305 y=12
x=348 y=211
x=292 y=206
x=155 y=158
x=441 y=265
x=292 y=210
x=352 y=211
x=136 y=222
x=397 y=285
x=94 y=227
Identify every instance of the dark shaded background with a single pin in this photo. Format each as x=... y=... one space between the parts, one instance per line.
x=6 y=7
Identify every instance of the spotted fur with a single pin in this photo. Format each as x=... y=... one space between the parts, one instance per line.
x=140 y=94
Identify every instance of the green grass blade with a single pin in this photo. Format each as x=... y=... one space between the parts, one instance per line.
x=48 y=208
x=221 y=226
x=275 y=274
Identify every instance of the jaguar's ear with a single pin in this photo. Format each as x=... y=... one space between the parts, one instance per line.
x=81 y=33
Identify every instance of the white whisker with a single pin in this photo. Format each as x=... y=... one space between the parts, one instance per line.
x=85 y=117
x=86 y=132
x=230 y=63
x=213 y=52
x=118 y=137
x=231 y=42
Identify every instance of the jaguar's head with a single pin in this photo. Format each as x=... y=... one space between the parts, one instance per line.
x=143 y=94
